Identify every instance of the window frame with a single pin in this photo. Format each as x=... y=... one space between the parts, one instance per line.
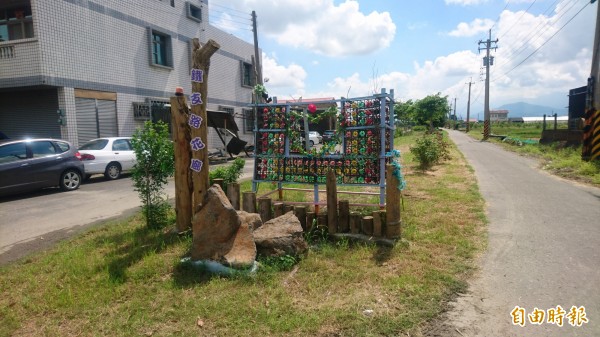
x=248 y=120
x=23 y=24
x=190 y=9
x=250 y=67
x=168 y=48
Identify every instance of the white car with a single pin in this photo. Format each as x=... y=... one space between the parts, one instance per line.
x=110 y=156
x=314 y=138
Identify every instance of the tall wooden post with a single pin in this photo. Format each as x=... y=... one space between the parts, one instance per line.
x=180 y=115
x=392 y=204
x=332 y=212
x=199 y=162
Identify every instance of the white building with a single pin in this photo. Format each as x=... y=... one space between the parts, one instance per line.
x=102 y=63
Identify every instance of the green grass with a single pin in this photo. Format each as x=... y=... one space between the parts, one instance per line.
x=564 y=161
x=124 y=280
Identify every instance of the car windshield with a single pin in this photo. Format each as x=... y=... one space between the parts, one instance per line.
x=97 y=144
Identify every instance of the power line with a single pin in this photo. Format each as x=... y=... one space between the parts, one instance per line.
x=246 y=18
x=498 y=19
x=519 y=19
x=553 y=35
x=212 y=3
x=533 y=34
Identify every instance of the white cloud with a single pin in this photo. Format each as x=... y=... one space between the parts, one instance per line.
x=323 y=27
x=476 y=26
x=283 y=79
x=464 y=2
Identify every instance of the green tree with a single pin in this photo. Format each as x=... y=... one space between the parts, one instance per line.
x=404 y=112
x=431 y=110
x=155 y=162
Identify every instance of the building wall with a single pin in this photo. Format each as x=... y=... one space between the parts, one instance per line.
x=105 y=46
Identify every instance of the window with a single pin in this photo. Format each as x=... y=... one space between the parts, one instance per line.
x=247 y=75
x=16 y=22
x=248 y=120
x=193 y=12
x=42 y=149
x=227 y=109
x=12 y=152
x=160 y=48
x=121 y=145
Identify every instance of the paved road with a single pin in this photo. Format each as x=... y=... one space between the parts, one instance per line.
x=544 y=248
x=34 y=221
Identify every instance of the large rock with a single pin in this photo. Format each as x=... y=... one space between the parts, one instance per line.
x=281 y=236
x=252 y=219
x=219 y=234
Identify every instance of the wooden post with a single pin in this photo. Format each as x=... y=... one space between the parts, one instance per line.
x=233 y=194
x=376 y=223
x=354 y=223
x=220 y=182
x=300 y=212
x=383 y=216
x=278 y=209
x=392 y=202
x=310 y=217
x=249 y=202
x=180 y=115
x=264 y=209
x=332 y=212
x=322 y=221
x=367 y=225
x=344 y=220
x=199 y=97
x=288 y=208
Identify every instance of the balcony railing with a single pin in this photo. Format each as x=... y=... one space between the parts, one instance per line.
x=7 y=52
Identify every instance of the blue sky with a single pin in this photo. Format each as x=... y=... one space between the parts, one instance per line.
x=327 y=48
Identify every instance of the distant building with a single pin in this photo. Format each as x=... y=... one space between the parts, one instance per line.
x=498 y=115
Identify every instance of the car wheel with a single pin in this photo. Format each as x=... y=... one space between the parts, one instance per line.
x=312 y=143
x=70 y=180
x=113 y=171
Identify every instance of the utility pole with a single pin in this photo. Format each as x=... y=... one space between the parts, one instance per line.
x=454 y=108
x=469 y=105
x=487 y=62
x=256 y=56
x=591 y=135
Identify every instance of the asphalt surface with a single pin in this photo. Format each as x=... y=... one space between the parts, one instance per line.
x=543 y=250
x=35 y=221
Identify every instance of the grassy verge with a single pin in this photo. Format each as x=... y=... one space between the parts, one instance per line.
x=124 y=280
x=555 y=158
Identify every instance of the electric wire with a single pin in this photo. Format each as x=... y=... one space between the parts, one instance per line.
x=519 y=19
x=533 y=35
x=212 y=3
x=543 y=44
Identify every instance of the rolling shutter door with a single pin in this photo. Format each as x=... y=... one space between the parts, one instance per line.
x=107 y=118
x=87 y=127
x=29 y=114
x=95 y=118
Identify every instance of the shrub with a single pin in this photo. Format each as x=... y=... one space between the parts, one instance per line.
x=430 y=150
x=229 y=174
x=155 y=162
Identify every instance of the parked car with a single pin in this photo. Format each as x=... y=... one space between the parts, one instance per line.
x=328 y=135
x=30 y=164
x=314 y=138
x=110 y=156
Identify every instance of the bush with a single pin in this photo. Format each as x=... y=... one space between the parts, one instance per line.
x=430 y=150
x=229 y=174
x=155 y=162
x=420 y=128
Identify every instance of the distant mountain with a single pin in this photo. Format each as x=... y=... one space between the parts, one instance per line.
x=522 y=109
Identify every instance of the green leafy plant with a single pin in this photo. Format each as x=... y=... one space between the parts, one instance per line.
x=430 y=150
x=279 y=263
x=229 y=174
x=155 y=163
